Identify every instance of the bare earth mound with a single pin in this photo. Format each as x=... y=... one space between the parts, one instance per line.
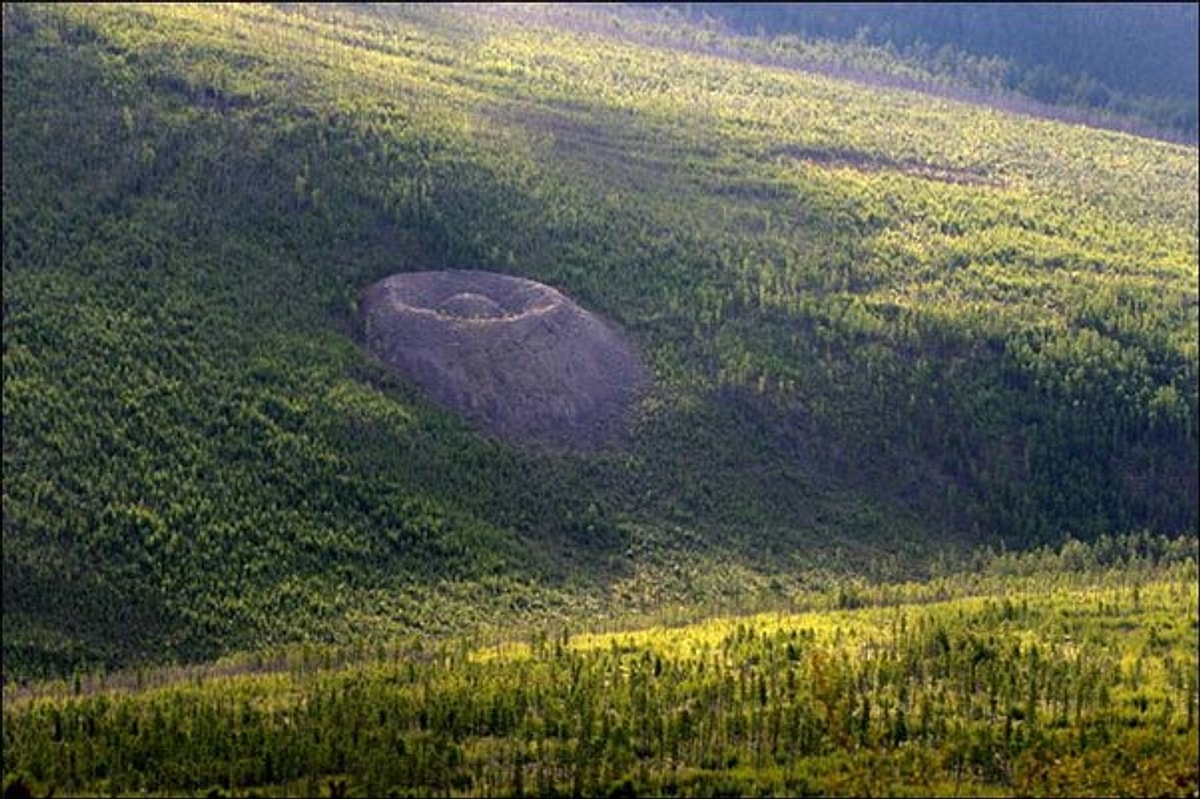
x=515 y=357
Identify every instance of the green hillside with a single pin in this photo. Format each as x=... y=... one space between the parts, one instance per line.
x=1066 y=673
x=1134 y=60
x=881 y=325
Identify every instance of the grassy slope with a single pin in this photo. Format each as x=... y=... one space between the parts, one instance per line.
x=880 y=323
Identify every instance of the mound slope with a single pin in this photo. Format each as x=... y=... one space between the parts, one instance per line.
x=514 y=356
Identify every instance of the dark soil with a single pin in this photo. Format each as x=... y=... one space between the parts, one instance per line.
x=515 y=357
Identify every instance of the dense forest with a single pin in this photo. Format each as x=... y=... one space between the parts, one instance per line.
x=898 y=344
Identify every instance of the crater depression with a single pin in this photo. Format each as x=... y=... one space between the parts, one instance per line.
x=515 y=357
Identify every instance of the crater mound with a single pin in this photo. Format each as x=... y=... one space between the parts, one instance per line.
x=468 y=305
x=515 y=357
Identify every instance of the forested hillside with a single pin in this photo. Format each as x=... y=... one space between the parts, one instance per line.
x=879 y=324
x=1134 y=59
x=908 y=496
x=1073 y=674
